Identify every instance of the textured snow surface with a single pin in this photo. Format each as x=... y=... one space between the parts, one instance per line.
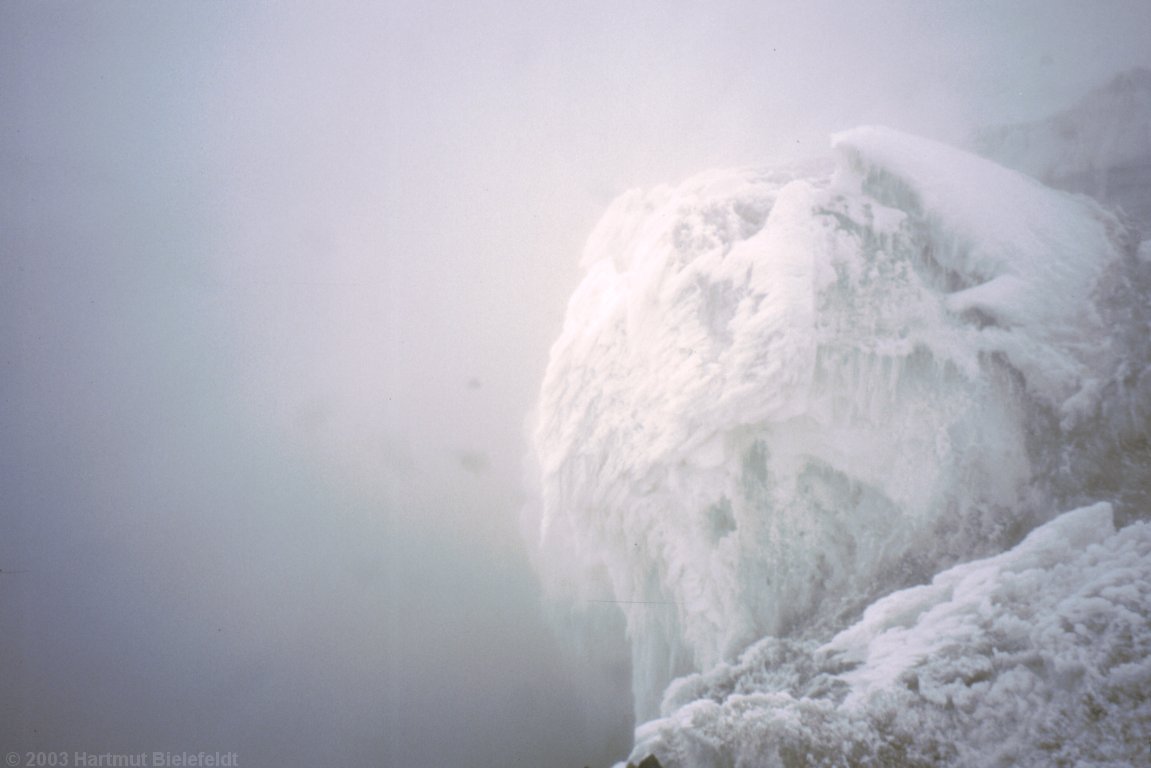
x=1039 y=656
x=782 y=395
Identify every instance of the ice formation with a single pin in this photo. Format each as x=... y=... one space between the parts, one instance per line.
x=780 y=396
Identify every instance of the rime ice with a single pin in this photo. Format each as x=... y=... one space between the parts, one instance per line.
x=781 y=395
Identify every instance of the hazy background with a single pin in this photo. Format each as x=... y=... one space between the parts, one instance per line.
x=277 y=283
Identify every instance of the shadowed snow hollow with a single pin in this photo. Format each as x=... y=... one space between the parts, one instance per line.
x=781 y=395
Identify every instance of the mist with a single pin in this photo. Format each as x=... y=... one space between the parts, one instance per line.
x=277 y=290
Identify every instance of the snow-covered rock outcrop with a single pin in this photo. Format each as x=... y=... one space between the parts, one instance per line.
x=1039 y=656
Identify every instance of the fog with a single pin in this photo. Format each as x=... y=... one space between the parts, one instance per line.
x=278 y=284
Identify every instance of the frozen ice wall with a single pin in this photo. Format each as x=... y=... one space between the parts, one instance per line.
x=780 y=395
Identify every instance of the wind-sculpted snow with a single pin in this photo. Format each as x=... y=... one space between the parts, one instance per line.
x=781 y=395
x=1040 y=656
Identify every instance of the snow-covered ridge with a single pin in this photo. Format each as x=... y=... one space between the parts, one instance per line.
x=1038 y=656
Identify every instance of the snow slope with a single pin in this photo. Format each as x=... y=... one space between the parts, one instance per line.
x=780 y=395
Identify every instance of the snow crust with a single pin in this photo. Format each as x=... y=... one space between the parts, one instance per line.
x=782 y=395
